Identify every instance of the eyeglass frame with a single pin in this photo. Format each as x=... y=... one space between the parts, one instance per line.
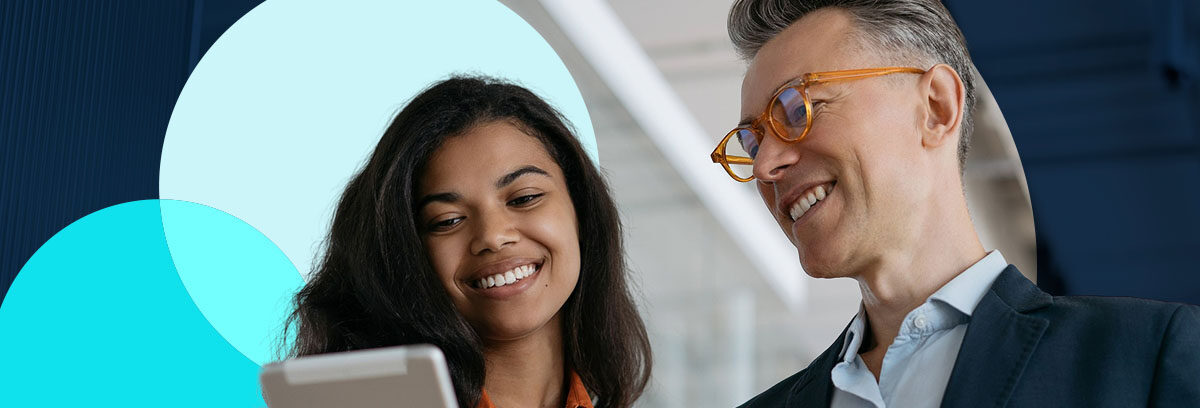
x=811 y=78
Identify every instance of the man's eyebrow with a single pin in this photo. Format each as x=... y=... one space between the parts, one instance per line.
x=439 y=197
x=747 y=120
x=511 y=177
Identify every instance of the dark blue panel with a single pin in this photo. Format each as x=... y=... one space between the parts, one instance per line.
x=213 y=17
x=1103 y=99
x=86 y=90
x=1127 y=228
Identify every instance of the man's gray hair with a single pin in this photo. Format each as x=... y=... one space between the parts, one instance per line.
x=902 y=29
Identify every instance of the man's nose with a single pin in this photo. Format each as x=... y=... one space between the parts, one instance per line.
x=494 y=230
x=774 y=157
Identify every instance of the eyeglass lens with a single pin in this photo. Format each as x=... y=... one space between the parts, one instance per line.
x=790 y=111
x=740 y=152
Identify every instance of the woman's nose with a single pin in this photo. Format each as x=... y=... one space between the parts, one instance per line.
x=494 y=230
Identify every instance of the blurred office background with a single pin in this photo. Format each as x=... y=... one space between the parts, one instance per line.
x=1101 y=97
x=661 y=78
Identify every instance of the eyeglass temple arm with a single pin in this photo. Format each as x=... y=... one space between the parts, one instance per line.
x=859 y=73
x=718 y=157
x=739 y=160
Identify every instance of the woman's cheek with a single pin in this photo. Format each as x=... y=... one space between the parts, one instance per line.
x=444 y=263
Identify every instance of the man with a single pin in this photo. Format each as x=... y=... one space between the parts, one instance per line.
x=856 y=115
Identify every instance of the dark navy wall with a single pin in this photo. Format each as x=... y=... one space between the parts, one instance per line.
x=1103 y=100
x=86 y=90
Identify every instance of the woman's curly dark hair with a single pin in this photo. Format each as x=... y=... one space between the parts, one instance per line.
x=375 y=287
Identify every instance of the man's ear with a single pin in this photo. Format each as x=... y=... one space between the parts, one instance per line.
x=943 y=99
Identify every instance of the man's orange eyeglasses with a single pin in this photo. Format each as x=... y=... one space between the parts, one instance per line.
x=788 y=116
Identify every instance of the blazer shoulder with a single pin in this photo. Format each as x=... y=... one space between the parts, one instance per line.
x=778 y=394
x=817 y=371
x=1119 y=320
x=1114 y=308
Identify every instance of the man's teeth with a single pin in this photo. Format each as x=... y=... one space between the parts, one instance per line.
x=506 y=278
x=806 y=201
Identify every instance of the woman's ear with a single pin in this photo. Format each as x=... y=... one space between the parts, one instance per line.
x=943 y=96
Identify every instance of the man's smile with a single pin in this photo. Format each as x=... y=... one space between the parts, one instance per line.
x=802 y=199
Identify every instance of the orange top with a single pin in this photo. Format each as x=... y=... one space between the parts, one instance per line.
x=577 y=396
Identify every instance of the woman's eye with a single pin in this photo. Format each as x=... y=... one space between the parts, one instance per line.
x=524 y=200
x=445 y=224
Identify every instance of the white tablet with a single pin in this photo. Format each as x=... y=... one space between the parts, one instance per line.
x=405 y=376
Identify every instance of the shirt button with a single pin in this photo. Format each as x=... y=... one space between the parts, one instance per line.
x=919 y=322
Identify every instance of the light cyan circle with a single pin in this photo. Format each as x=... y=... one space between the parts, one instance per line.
x=291 y=100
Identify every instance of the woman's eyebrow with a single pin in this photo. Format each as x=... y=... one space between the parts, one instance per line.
x=440 y=197
x=511 y=177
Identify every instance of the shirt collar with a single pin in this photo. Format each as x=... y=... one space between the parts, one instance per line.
x=854 y=336
x=962 y=293
x=968 y=288
x=577 y=395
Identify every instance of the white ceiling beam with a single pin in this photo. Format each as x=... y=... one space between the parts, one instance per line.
x=598 y=34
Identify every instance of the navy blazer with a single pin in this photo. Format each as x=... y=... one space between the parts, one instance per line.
x=1025 y=348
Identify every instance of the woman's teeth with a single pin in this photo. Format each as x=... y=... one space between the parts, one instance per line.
x=506 y=278
x=806 y=201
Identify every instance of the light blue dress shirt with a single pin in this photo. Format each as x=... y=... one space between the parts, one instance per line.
x=916 y=367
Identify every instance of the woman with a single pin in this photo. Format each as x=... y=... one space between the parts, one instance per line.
x=480 y=225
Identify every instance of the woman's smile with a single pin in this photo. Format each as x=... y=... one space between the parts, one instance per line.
x=506 y=278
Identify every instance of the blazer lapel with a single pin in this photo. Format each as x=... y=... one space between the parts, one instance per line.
x=998 y=343
x=815 y=388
